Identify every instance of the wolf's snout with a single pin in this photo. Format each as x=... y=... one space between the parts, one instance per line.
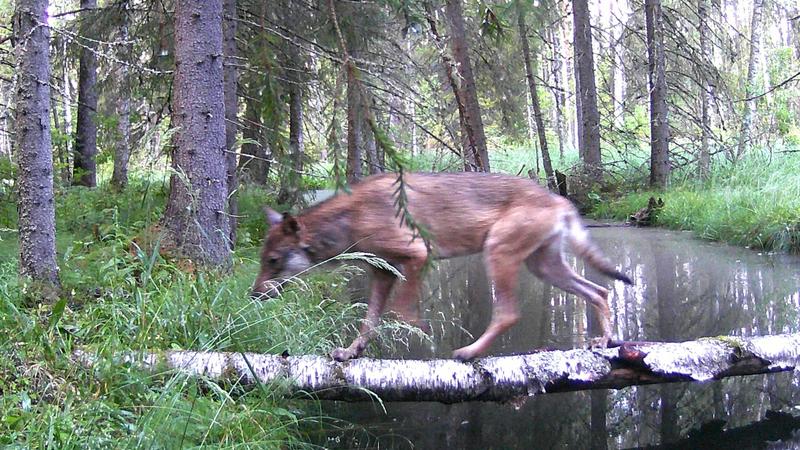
x=266 y=290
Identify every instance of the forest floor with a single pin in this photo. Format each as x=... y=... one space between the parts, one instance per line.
x=117 y=299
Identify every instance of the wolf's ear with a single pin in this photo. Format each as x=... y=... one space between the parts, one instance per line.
x=273 y=217
x=290 y=224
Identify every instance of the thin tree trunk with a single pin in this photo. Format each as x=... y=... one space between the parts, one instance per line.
x=66 y=105
x=252 y=163
x=36 y=203
x=579 y=136
x=195 y=220
x=559 y=99
x=371 y=150
x=587 y=92
x=231 y=83
x=354 y=127
x=659 y=125
x=296 y=126
x=750 y=87
x=122 y=145
x=85 y=163
x=467 y=149
x=706 y=97
x=291 y=183
x=794 y=24
x=58 y=124
x=6 y=98
x=530 y=74
x=619 y=85
x=472 y=119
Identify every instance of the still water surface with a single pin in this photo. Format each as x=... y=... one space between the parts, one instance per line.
x=685 y=288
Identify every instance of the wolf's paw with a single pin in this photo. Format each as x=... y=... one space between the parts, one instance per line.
x=343 y=354
x=465 y=354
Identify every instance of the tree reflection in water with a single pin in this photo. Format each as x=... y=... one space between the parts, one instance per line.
x=684 y=289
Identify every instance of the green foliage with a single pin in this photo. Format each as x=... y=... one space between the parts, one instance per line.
x=755 y=203
x=120 y=299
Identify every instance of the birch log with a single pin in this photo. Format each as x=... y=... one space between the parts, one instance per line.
x=500 y=378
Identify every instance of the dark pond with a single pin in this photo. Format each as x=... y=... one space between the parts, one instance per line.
x=685 y=288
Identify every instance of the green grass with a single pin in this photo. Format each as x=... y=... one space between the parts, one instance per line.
x=116 y=301
x=754 y=203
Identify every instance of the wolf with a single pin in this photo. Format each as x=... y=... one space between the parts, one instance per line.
x=512 y=221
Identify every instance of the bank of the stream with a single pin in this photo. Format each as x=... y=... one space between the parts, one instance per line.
x=116 y=299
x=754 y=203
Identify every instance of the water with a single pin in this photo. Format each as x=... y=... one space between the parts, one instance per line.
x=685 y=288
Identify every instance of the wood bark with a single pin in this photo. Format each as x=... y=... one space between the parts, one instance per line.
x=500 y=378
x=589 y=117
x=122 y=145
x=195 y=219
x=354 y=127
x=472 y=113
x=253 y=164
x=559 y=98
x=291 y=184
x=706 y=96
x=85 y=164
x=231 y=83
x=36 y=203
x=374 y=165
x=467 y=149
x=530 y=74
x=659 y=125
x=750 y=87
x=66 y=106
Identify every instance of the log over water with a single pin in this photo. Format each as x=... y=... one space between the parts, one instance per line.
x=499 y=378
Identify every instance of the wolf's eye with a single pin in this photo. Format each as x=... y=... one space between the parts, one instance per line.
x=272 y=261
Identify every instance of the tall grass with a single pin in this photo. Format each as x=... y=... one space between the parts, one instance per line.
x=753 y=203
x=119 y=300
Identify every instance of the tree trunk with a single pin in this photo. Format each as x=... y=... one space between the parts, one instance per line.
x=231 y=83
x=291 y=184
x=619 y=86
x=589 y=117
x=354 y=127
x=530 y=74
x=371 y=149
x=85 y=171
x=467 y=149
x=66 y=105
x=36 y=203
x=122 y=145
x=559 y=99
x=706 y=97
x=253 y=164
x=6 y=100
x=659 y=125
x=794 y=25
x=195 y=220
x=750 y=87
x=472 y=119
x=500 y=378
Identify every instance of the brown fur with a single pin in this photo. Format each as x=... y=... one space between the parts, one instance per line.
x=511 y=220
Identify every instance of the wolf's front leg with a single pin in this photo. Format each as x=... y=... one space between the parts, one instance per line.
x=382 y=282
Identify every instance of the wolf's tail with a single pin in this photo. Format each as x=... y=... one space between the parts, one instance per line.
x=578 y=238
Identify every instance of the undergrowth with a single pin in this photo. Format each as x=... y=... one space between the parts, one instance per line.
x=753 y=203
x=119 y=300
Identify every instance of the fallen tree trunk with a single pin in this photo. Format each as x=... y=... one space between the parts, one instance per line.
x=500 y=378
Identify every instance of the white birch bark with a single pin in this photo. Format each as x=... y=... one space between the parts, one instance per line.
x=500 y=378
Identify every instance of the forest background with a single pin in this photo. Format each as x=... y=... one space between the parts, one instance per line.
x=691 y=101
